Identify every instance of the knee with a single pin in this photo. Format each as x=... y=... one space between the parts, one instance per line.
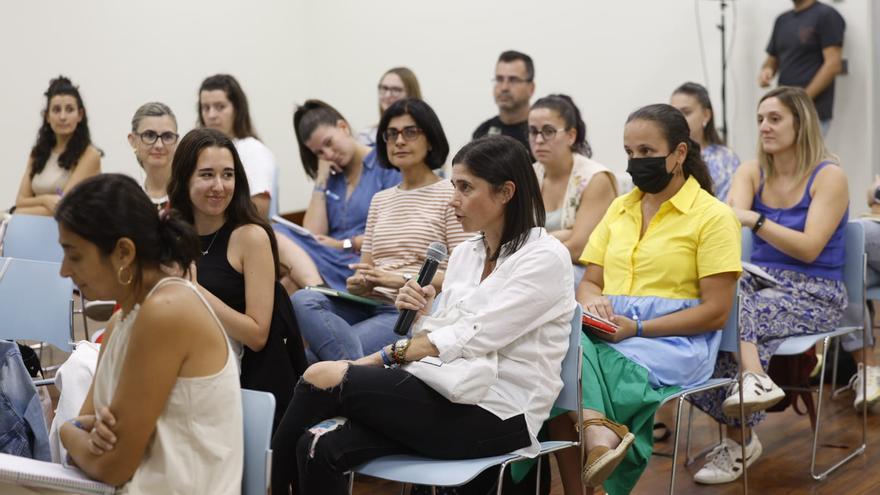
x=326 y=374
x=307 y=300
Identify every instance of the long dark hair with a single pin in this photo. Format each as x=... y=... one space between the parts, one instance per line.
x=306 y=118
x=77 y=144
x=241 y=124
x=426 y=120
x=107 y=207
x=241 y=211
x=701 y=94
x=675 y=129
x=564 y=106
x=498 y=159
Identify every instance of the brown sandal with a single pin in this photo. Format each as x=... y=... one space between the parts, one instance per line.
x=601 y=460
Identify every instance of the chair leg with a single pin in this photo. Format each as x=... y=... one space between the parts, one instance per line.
x=501 y=478
x=538 y=476
x=690 y=459
x=675 y=445
x=857 y=451
x=350 y=482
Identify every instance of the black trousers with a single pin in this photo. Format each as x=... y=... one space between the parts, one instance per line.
x=389 y=412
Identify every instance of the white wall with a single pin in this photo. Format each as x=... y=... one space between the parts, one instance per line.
x=611 y=56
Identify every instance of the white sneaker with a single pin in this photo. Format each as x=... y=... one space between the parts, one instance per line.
x=873 y=385
x=759 y=393
x=725 y=461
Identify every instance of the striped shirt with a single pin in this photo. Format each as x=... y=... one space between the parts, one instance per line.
x=402 y=223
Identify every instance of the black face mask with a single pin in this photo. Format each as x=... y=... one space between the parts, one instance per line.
x=649 y=174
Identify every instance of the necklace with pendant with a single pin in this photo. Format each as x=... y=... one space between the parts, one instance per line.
x=210 y=243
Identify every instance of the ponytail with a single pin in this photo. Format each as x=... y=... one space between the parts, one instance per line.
x=178 y=242
x=564 y=106
x=695 y=166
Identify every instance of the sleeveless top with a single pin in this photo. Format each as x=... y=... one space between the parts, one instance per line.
x=829 y=263
x=582 y=171
x=198 y=443
x=52 y=179
x=278 y=365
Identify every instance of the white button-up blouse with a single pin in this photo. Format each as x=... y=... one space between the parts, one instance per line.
x=521 y=311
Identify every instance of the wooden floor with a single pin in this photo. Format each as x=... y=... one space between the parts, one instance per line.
x=784 y=467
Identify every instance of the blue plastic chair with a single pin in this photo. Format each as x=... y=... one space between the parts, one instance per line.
x=855 y=318
x=258 y=409
x=411 y=469
x=35 y=303
x=32 y=237
x=730 y=340
x=273 y=201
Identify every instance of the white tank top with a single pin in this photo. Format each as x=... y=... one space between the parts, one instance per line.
x=198 y=444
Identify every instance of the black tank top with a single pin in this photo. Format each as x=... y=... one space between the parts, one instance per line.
x=216 y=274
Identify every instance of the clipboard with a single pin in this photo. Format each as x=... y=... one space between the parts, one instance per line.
x=299 y=229
x=327 y=291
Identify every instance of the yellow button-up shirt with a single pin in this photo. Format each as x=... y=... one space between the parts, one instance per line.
x=693 y=235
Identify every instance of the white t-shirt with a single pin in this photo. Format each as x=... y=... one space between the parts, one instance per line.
x=259 y=165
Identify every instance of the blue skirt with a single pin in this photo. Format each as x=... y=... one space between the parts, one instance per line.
x=332 y=263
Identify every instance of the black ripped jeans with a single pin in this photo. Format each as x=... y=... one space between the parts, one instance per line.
x=389 y=412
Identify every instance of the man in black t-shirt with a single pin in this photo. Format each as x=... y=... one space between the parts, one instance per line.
x=806 y=49
x=514 y=86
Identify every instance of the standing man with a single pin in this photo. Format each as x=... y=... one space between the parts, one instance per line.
x=806 y=49
x=514 y=86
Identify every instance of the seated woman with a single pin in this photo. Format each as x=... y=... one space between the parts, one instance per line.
x=401 y=223
x=62 y=156
x=238 y=269
x=507 y=299
x=693 y=101
x=662 y=264
x=795 y=199
x=153 y=138
x=157 y=415
x=396 y=84
x=347 y=175
x=576 y=190
x=224 y=106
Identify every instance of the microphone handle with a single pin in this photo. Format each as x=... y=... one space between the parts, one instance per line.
x=407 y=316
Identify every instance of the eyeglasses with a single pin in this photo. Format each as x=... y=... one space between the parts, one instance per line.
x=150 y=137
x=392 y=90
x=511 y=80
x=409 y=133
x=547 y=132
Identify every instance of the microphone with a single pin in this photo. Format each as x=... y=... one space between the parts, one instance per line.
x=435 y=255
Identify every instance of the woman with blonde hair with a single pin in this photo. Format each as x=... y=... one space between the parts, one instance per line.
x=795 y=200
x=396 y=84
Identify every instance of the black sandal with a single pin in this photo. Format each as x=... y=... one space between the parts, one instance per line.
x=664 y=434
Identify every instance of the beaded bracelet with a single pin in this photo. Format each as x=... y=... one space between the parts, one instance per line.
x=386 y=360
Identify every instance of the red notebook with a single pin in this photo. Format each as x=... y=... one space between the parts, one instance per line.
x=596 y=322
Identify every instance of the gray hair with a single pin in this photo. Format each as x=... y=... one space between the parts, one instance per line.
x=151 y=109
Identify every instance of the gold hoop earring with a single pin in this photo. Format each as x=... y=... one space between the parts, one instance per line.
x=119 y=275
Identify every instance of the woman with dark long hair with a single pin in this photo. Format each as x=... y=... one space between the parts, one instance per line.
x=662 y=265
x=692 y=100
x=502 y=320
x=62 y=156
x=238 y=269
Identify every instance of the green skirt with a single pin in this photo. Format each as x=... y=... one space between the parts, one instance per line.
x=619 y=389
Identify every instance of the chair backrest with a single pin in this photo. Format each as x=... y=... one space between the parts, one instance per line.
x=569 y=396
x=35 y=302
x=854 y=274
x=730 y=332
x=258 y=410
x=32 y=237
x=746 y=244
x=273 y=201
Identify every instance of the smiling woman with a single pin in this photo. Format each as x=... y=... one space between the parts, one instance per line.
x=62 y=156
x=238 y=270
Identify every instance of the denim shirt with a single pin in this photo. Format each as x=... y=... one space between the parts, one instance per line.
x=22 y=426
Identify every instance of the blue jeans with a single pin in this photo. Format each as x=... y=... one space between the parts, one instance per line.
x=339 y=329
x=853 y=341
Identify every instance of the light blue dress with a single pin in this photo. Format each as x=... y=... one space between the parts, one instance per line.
x=722 y=163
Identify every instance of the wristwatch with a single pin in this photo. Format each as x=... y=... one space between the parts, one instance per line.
x=347 y=245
